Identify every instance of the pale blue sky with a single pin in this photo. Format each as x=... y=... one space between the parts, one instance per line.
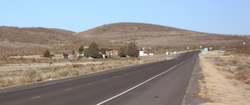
x=213 y=16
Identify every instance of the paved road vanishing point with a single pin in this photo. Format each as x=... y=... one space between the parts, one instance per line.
x=158 y=83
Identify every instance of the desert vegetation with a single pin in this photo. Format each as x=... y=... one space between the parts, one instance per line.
x=122 y=51
x=226 y=78
x=132 y=50
x=93 y=51
x=21 y=77
x=46 y=53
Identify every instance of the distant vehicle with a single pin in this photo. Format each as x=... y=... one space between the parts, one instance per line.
x=52 y=55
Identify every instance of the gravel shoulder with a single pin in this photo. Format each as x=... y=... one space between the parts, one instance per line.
x=193 y=87
x=219 y=79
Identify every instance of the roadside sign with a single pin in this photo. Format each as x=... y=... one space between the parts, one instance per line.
x=141 y=53
x=202 y=51
x=205 y=49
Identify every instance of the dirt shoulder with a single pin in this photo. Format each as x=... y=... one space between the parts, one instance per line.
x=193 y=88
x=226 y=79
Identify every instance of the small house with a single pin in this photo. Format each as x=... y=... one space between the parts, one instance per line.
x=65 y=56
x=112 y=52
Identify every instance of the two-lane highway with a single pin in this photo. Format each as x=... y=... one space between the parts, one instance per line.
x=89 y=89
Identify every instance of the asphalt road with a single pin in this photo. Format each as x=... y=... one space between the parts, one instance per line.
x=98 y=87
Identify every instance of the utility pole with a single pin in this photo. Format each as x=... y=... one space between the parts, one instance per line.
x=244 y=43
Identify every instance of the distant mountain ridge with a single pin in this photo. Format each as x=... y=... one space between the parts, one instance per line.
x=63 y=31
x=25 y=41
x=154 y=35
x=21 y=41
x=33 y=35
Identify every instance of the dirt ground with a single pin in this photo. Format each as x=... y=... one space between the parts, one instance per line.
x=226 y=81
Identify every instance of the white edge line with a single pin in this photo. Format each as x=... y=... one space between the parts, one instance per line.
x=140 y=84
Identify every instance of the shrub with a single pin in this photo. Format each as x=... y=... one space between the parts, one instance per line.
x=243 y=69
x=132 y=50
x=218 y=59
x=2 y=82
x=6 y=82
x=63 y=73
x=86 y=53
x=32 y=75
x=50 y=75
x=93 y=50
x=220 y=62
x=46 y=53
x=29 y=73
x=104 y=51
x=73 y=72
x=233 y=62
x=81 y=49
x=10 y=82
x=241 y=76
x=22 y=80
x=122 y=51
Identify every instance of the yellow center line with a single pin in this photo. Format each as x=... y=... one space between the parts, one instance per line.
x=35 y=97
x=68 y=89
x=89 y=83
x=104 y=80
x=116 y=76
x=125 y=74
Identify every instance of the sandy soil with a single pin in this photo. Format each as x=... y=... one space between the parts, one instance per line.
x=219 y=84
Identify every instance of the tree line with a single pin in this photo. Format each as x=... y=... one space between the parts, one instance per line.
x=94 y=51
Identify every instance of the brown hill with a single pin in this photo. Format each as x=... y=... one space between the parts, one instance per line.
x=155 y=35
x=63 y=31
x=23 y=41
x=26 y=41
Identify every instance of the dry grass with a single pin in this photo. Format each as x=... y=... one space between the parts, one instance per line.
x=219 y=62
x=63 y=73
x=245 y=69
x=20 y=77
x=7 y=82
x=241 y=76
x=196 y=94
x=224 y=84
